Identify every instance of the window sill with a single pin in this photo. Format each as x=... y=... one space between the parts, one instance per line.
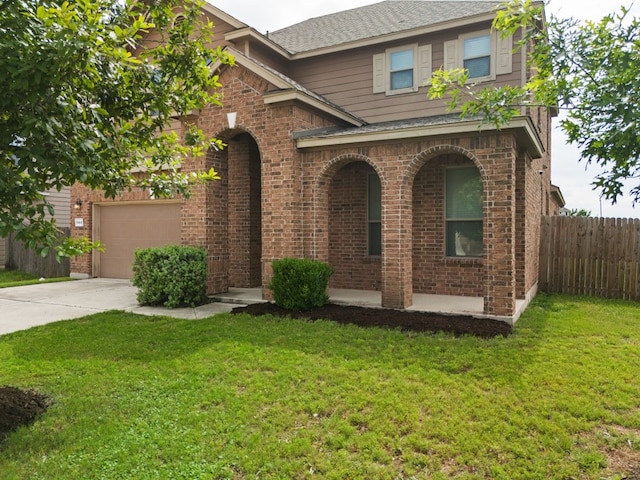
x=474 y=260
x=400 y=91
x=474 y=80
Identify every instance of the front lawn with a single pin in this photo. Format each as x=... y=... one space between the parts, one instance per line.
x=239 y=397
x=14 y=278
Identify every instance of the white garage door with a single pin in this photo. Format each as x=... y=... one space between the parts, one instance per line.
x=122 y=228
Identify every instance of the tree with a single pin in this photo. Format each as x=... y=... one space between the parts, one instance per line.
x=85 y=100
x=575 y=212
x=590 y=69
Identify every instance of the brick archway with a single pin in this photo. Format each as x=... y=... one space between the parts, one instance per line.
x=320 y=196
x=435 y=151
x=493 y=275
x=433 y=271
x=234 y=212
x=342 y=227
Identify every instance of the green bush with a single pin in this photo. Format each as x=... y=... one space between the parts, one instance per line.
x=300 y=284
x=172 y=276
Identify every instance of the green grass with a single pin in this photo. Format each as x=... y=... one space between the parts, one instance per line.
x=245 y=398
x=14 y=278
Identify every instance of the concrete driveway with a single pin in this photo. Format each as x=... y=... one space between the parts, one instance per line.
x=31 y=305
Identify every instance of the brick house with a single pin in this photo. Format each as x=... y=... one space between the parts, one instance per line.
x=335 y=153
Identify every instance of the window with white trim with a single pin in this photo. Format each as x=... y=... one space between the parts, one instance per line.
x=374 y=215
x=484 y=54
x=401 y=69
x=463 y=206
x=476 y=56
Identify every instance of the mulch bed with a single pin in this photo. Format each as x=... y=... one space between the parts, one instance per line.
x=19 y=407
x=387 y=318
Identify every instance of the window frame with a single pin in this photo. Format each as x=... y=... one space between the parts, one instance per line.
x=422 y=68
x=388 y=53
x=448 y=221
x=492 y=55
x=501 y=54
x=369 y=220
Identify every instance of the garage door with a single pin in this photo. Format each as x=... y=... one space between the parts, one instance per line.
x=123 y=228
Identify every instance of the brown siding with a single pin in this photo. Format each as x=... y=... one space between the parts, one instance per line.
x=346 y=78
x=268 y=58
x=220 y=29
x=61 y=202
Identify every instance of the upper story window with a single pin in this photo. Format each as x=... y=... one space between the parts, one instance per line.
x=477 y=56
x=401 y=69
x=484 y=54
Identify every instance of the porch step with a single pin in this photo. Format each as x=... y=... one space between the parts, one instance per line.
x=239 y=296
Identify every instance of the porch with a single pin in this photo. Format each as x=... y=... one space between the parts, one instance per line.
x=443 y=304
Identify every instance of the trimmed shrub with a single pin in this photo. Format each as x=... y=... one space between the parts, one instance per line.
x=299 y=283
x=173 y=276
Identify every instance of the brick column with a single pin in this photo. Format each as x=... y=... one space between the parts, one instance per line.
x=281 y=204
x=500 y=237
x=397 y=242
x=216 y=214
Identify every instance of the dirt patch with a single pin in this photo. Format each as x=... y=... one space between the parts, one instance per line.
x=388 y=318
x=623 y=456
x=19 y=407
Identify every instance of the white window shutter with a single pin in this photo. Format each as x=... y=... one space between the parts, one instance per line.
x=505 y=55
x=424 y=64
x=451 y=55
x=379 y=73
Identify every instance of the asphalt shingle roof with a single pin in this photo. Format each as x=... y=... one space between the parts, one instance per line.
x=444 y=119
x=382 y=18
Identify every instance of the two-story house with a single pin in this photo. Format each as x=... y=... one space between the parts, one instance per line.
x=335 y=153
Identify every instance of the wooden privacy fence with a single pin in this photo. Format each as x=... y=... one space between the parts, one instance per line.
x=26 y=260
x=590 y=256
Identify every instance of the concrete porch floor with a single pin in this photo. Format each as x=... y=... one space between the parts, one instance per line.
x=444 y=304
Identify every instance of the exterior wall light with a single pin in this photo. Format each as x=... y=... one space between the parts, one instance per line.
x=231 y=119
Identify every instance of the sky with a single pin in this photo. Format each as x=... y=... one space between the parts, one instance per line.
x=573 y=177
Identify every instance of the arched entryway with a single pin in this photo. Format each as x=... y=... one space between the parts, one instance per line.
x=448 y=226
x=355 y=226
x=234 y=228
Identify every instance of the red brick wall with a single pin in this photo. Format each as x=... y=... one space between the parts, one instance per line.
x=433 y=272
x=398 y=164
x=348 y=230
x=261 y=153
x=216 y=232
x=244 y=212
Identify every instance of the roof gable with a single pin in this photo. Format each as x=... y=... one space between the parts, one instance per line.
x=384 y=18
x=287 y=89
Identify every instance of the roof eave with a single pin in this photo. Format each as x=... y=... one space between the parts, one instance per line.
x=249 y=33
x=244 y=61
x=555 y=191
x=292 y=95
x=522 y=127
x=225 y=17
